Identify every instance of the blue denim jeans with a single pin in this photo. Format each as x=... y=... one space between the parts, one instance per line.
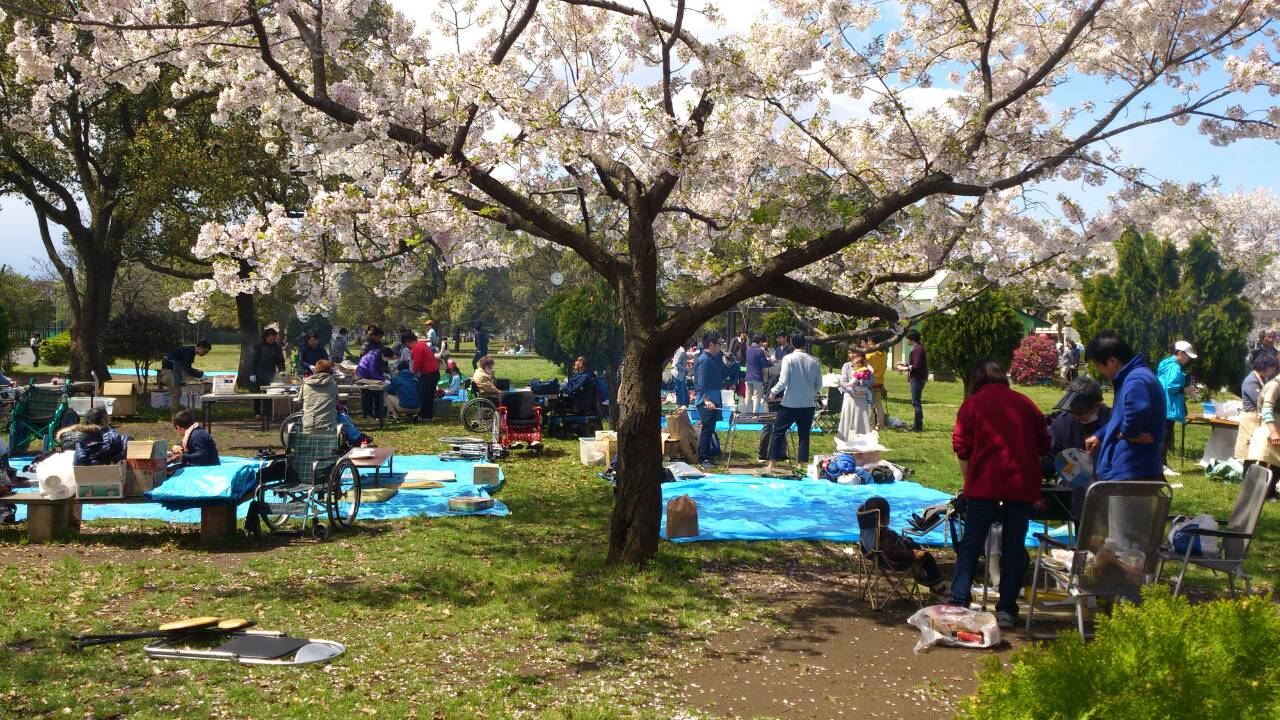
x=681 y=392
x=978 y=517
x=708 y=443
x=917 y=389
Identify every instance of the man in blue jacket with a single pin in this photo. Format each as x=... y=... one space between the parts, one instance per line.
x=1173 y=378
x=708 y=379
x=1128 y=446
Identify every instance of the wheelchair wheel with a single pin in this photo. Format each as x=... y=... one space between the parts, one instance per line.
x=272 y=522
x=287 y=427
x=343 y=499
x=477 y=414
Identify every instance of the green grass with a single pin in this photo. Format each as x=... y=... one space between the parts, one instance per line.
x=451 y=617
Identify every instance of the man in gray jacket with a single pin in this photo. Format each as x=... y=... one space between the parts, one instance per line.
x=798 y=385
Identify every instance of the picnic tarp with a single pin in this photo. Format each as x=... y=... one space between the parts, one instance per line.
x=723 y=425
x=744 y=507
x=222 y=480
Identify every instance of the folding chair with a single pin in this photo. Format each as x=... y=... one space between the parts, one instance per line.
x=828 y=415
x=875 y=569
x=1117 y=545
x=1236 y=536
x=39 y=414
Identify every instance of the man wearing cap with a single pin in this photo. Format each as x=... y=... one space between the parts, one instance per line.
x=1173 y=378
x=1085 y=415
x=433 y=338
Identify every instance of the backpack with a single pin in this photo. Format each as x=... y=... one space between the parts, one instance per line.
x=1201 y=546
x=841 y=464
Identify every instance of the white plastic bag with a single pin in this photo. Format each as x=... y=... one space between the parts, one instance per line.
x=56 y=476
x=1201 y=545
x=957 y=626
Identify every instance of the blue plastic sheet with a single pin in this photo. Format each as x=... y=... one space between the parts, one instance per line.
x=723 y=425
x=432 y=502
x=232 y=481
x=743 y=507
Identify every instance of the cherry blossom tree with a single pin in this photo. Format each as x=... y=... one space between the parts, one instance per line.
x=823 y=154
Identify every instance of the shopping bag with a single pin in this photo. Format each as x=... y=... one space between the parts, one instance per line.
x=682 y=517
x=679 y=428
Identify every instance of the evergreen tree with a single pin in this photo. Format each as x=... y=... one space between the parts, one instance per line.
x=1158 y=295
x=985 y=326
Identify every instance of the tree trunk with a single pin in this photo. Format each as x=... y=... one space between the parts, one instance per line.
x=247 y=319
x=637 y=509
x=89 y=319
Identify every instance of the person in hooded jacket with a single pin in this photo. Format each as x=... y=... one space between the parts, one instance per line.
x=319 y=398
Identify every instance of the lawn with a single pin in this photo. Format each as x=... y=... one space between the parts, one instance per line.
x=453 y=617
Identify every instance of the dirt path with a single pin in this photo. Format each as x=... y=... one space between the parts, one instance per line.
x=822 y=653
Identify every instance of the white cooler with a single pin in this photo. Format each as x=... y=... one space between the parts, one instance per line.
x=81 y=405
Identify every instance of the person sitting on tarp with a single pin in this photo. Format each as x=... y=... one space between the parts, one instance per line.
x=451 y=382
x=197 y=448
x=1085 y=415
x=900 y=553
x=179 y=363
x=404 y=393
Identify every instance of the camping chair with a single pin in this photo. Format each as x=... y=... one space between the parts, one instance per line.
x=828 y=416
x=317 y=480
x=1117 y=546
x=1235 y=538
x=875 y=569
x=40 y=413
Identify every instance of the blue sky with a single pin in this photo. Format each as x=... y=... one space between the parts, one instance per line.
x=1167 y=151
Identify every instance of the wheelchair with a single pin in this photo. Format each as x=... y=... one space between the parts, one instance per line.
x=520 y=420
x=574 y=415
x=311 y=480
x=478 y=413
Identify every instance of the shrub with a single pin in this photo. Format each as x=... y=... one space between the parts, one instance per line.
x=142 y=337
x=583 y=321
x=1163 y=659
x=1035 y=361
x=986 y=325
x=56 y=350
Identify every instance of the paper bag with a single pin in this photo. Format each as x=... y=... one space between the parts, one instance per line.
x=680 y=429
x=682 y=517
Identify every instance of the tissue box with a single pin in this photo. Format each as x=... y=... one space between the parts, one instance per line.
x=144 y=466
x=465 y=503
x=100 y=481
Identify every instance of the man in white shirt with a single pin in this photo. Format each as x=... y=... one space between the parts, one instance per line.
x=799 y=384
x=679 y=375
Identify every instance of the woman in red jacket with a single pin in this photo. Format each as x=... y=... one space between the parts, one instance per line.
x=999 y=438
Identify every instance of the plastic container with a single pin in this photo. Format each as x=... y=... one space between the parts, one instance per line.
x=592 y=453
x=1210 y=410
x=81 y=404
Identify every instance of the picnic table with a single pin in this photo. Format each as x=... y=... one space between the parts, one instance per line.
x=381 y=456
x=49 y=519
x=208 y=400
x=346 y=391
x=1222 y=438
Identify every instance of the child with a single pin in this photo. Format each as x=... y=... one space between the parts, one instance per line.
x=197 y=446
x=451 y=383
x=899 y=552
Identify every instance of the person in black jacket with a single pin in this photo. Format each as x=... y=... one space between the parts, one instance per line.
x=179 y=363
x=197 y=448
x=771 y=374
x=267 y=360
x=310 y=353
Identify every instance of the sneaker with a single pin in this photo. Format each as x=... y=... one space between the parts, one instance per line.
x=1170 y=472
x=1006 y=620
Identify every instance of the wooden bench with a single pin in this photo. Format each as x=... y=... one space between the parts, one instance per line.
x=53 y=519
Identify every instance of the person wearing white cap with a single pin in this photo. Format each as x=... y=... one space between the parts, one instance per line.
x=1173 y=377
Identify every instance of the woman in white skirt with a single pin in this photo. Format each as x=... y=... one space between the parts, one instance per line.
x=856 y=380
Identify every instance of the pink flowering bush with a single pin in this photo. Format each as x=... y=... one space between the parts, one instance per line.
x=1035 y=361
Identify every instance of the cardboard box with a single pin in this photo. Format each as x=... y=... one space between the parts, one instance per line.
x=465 y=503
x=159 y=400
x=144 y=466
x=125 y=395
x=608 y=440
x=485 y=474
x=100 y=481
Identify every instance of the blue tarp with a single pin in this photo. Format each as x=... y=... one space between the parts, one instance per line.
x=192 y=487
x=723 y=425
x=154 y=371
x=222 y=480
x=743 y=507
